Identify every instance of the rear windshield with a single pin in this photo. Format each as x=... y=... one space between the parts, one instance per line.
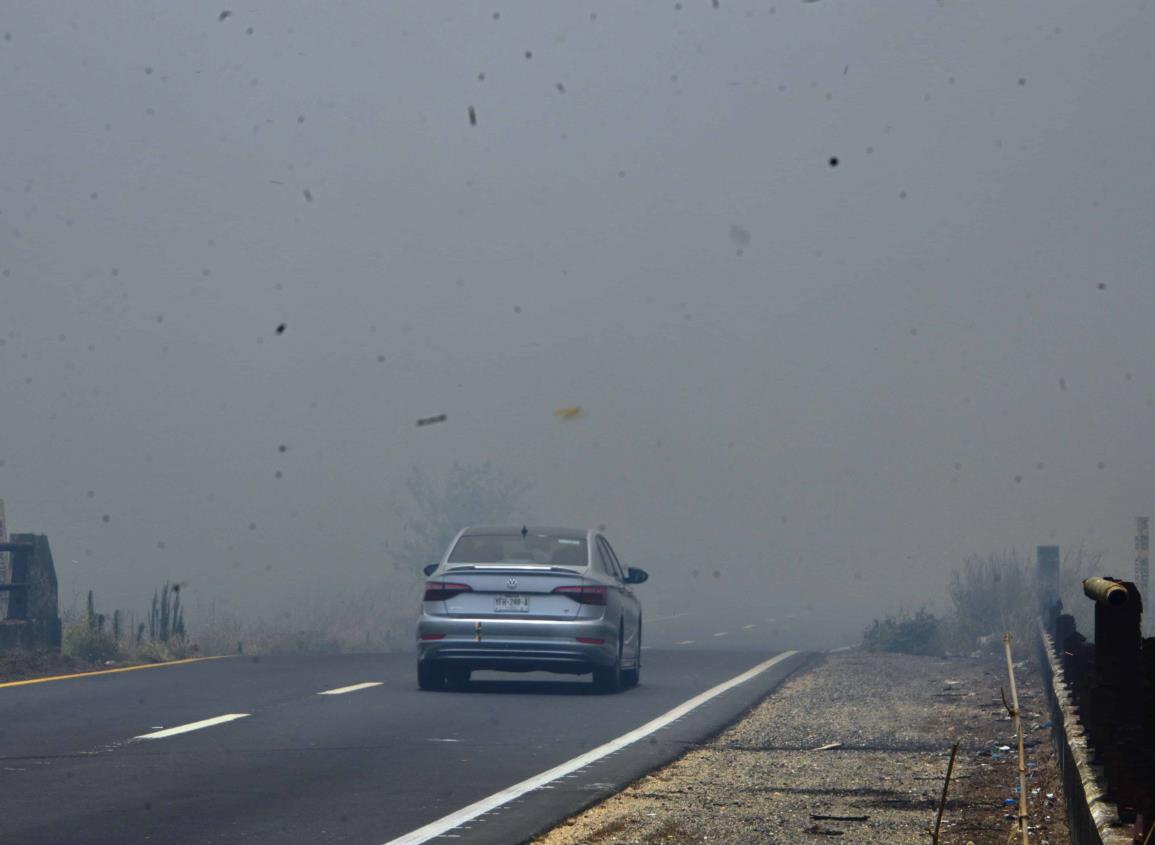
x=513 y=548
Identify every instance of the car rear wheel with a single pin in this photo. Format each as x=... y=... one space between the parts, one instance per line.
x=609 y=678
x=430 y=675
x=632 y=677
x=457 y=677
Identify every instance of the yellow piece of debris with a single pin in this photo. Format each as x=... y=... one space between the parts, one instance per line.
x=569 y=413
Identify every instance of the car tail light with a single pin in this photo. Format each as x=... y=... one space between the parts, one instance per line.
x=439 y=591
x=584 y=594
x=432 y=636
x=591 y=640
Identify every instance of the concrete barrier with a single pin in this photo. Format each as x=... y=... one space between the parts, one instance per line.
x=1093 y=820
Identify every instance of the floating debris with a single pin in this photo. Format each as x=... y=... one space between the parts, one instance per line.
x=440 y=418
x=569 y=413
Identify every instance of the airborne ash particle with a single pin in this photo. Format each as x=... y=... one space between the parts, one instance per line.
x=833 y=161
x=282 y=448
x=281 y=328
x=472 y=116
x=224 y=15
x=308 y=195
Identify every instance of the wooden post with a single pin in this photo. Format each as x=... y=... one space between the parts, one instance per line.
x=1018 y=722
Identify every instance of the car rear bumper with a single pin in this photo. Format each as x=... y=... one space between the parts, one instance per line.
x=518 y=645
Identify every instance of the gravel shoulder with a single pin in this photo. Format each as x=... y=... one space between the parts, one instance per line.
x=894 y=718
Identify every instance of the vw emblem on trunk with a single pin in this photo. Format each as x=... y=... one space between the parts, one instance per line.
x=511 y=583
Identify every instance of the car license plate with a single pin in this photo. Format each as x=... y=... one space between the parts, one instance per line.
x=511 y=604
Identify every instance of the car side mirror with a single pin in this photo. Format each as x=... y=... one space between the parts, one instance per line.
x=430 y=568
x=635 y=575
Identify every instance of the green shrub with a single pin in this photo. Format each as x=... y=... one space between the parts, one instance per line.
x=918 y=634
x=86 y=642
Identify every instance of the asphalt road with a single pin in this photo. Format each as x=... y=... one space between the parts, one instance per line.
x=270 y=759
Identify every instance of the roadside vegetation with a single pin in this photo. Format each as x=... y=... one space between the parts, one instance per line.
x=988 y=596
x=98 y=638
x=374 y=617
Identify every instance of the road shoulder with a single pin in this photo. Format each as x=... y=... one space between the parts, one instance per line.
x=894 y=718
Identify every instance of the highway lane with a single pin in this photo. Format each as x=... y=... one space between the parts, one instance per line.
x=370 y=764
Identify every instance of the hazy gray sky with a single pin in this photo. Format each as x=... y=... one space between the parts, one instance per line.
x=826 y=381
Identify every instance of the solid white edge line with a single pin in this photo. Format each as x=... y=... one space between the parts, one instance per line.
x=192 y=726
x=447 y=823
x=351 y=688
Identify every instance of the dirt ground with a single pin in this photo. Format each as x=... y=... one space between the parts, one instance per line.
x=894 y=717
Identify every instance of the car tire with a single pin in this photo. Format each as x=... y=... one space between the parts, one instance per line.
x=430 y=675
x=457 y=677
x=608 y=679
x=632 y=677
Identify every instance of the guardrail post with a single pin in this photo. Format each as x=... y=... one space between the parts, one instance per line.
x=1117 y=698
x=1047 y=584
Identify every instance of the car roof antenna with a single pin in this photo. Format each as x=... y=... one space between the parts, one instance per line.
x=524 y=531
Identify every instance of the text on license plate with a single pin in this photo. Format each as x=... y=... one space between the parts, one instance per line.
x=511 y=604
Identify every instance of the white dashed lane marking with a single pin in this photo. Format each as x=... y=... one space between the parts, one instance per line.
x=499 y=800
x=686 y=642
x=352 y=688
x=748 y=627
x=192 y=726
x=721 y=633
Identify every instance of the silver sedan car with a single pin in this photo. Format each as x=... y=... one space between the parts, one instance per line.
x=526 y=599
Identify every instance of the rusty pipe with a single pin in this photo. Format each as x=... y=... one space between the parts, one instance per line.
x=1107 y=591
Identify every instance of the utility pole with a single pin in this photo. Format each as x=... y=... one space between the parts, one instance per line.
x=1142 y=566
x=5 y=564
